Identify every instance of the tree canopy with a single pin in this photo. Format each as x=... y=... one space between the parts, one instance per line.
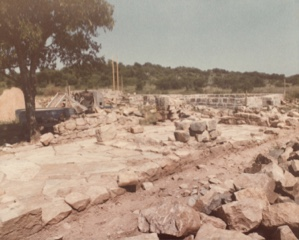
x=35 y=34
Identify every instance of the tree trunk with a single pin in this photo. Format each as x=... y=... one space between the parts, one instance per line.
x=29 y=91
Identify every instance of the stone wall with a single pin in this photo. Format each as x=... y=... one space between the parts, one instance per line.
x=235 y=100
x=223 y=100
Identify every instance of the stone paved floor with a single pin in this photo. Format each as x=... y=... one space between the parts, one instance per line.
x=36 y=179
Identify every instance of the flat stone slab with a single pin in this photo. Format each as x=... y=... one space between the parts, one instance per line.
x=19 y=170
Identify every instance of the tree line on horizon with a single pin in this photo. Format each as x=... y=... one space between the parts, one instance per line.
x=138 y=78
x=161 y=79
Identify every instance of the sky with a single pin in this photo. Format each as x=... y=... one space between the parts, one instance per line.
x=235 y=35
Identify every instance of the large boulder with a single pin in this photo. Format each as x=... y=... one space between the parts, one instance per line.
x=274 y=171
x=283 y=233
x=281 y=214
x=251 y=193
x=261 y=180
x=243 y=215
x=209 y=232
x=173 y=219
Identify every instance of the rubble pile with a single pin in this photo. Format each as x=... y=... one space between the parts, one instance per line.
x=80 y=127
x=202 y=130
x=276 y=118
x=260 y=203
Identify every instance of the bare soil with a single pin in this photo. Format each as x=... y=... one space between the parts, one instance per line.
x=117 y=218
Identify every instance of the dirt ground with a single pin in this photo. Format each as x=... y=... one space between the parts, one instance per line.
x=117 y=218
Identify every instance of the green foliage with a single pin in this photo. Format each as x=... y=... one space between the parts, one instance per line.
x=150 y=78
x=34 y=34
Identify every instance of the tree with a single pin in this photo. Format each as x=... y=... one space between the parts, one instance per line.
x=34 y=34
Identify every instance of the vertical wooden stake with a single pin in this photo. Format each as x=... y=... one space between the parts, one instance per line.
x=122 y=83
x=117 y=75
x=113 y=75
x=284 y=89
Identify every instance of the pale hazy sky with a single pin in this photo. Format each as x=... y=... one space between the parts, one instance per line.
x=236 y=35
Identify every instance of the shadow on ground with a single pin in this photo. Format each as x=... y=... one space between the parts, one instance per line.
x=11 y=133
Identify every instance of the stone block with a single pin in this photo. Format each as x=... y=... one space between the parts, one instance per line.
x=209 y=232
x=211 y=125
x=182 y=125
x=111 y=118
x=197 y=127
x=209 y=202
x=106 y=133
x=251 y=193
x=281 y=214
x=80 y=122
x=77 y=201
x=283 y=233
x=244 y=215
x=216 y=222
x=182 y=136
x=18 y=221
x=204 y=137
x=261 y=180
x=46 y=138
x=173 y=219
x=70 y=125
x=55 y=211
x=127 y=178
x=97 y=194
x=147 y=185
x=137 y=129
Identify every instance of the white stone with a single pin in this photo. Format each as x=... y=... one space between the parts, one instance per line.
x=127 y=178
x=147 y=185
x=46 y=138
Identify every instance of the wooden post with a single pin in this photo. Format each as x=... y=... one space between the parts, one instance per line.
x=117 y=75
x=113 y=75
x=122 y=83
x=284 y=89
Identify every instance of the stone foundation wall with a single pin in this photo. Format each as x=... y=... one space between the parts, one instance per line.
x=235 y=100
x=223 y=100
